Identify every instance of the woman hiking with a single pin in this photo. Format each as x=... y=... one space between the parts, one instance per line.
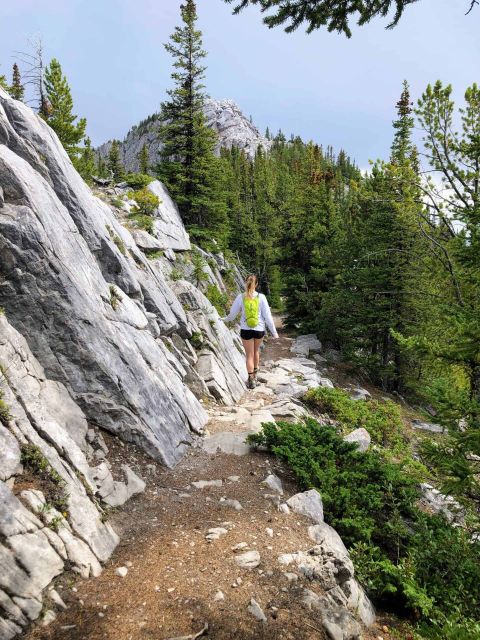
x=256 y=315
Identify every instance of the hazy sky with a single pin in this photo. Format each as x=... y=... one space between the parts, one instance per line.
x=321 y=86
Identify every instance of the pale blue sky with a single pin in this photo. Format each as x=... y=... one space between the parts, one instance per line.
x=321 y=86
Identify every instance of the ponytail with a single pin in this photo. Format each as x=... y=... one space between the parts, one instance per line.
x=250 y=286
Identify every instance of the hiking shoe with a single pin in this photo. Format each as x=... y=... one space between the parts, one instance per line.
x=251 y=383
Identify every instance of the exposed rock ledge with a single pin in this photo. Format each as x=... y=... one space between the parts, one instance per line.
x=94 y=335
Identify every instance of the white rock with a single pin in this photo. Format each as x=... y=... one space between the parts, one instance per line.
x=308 y=503
x=248 y=560
x=255 y=609
x=306 y=344
x=361 y=437
x=57 y=599
x=121 y=572
x=274 y=483
x=219 y=596
x=204 y=484
x=48 y=617
x=231 y=504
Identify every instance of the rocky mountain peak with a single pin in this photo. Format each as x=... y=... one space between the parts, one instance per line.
x=223 y=116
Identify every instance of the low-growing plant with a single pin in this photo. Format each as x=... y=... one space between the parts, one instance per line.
x=154 y=254
x=120 y=244
x=4 y=411
x=143 y=221
x=146 y=201
x=33 y=459
x=407 y=560
x=197 y=340
x=115 y=297
x=199 y=264
x=361 y=492
x=382 y=420
x=55 y=523
x=218 y=299
x=138 y=180
x=176 y=274
x=116 y=202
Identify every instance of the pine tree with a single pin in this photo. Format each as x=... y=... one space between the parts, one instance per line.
x=60 y=106
x=114 y=162
x=101 y=168
x=17 y=90
x=378 y=253
x=85 y=164
x=189 y=167
x=4 y=83
x=144 y=160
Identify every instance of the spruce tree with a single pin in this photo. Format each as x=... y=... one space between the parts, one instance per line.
x=85 y=164
x=60 y=107
x=189 y=167
x=114 y=162
x=101 y=168
x=17 y=90
x=144 y=160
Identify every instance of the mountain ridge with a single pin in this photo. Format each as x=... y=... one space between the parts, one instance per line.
x=224 y=116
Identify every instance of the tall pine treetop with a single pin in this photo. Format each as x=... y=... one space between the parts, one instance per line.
x=60 y=108
x=189 y=167
x=402 y=146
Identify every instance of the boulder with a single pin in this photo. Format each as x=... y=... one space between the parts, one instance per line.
x=427 y=426
x=306 y=344
x=307 y=503
x=361 y=438
x=357 y=393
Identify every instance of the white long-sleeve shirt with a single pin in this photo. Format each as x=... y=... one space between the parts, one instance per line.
x=264 y=315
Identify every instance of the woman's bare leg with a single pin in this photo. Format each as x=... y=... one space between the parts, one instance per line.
x=256 y=356
x=249 y=346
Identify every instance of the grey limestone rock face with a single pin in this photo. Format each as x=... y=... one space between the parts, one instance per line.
x=61 y=271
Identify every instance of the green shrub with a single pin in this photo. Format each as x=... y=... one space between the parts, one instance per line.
x=176 y=274
x=362 y=492
x=199 y=264
x=197 y=340
x=218 y=299
x=154 y=254
x=120 y=245
x=145 y=200
x=138 y=180
x=115 y=297
x=117 y=202
x=4 y=411
x=382 y=420
x=33 y=459
x=143 y=221
x=406 y=559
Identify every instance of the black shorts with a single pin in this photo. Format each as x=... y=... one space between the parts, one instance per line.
x=249 y=334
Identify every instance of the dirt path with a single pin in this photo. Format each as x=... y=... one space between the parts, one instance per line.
x=175 y=574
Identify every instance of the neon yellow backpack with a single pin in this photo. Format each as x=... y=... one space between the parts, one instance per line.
x=252 y=306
